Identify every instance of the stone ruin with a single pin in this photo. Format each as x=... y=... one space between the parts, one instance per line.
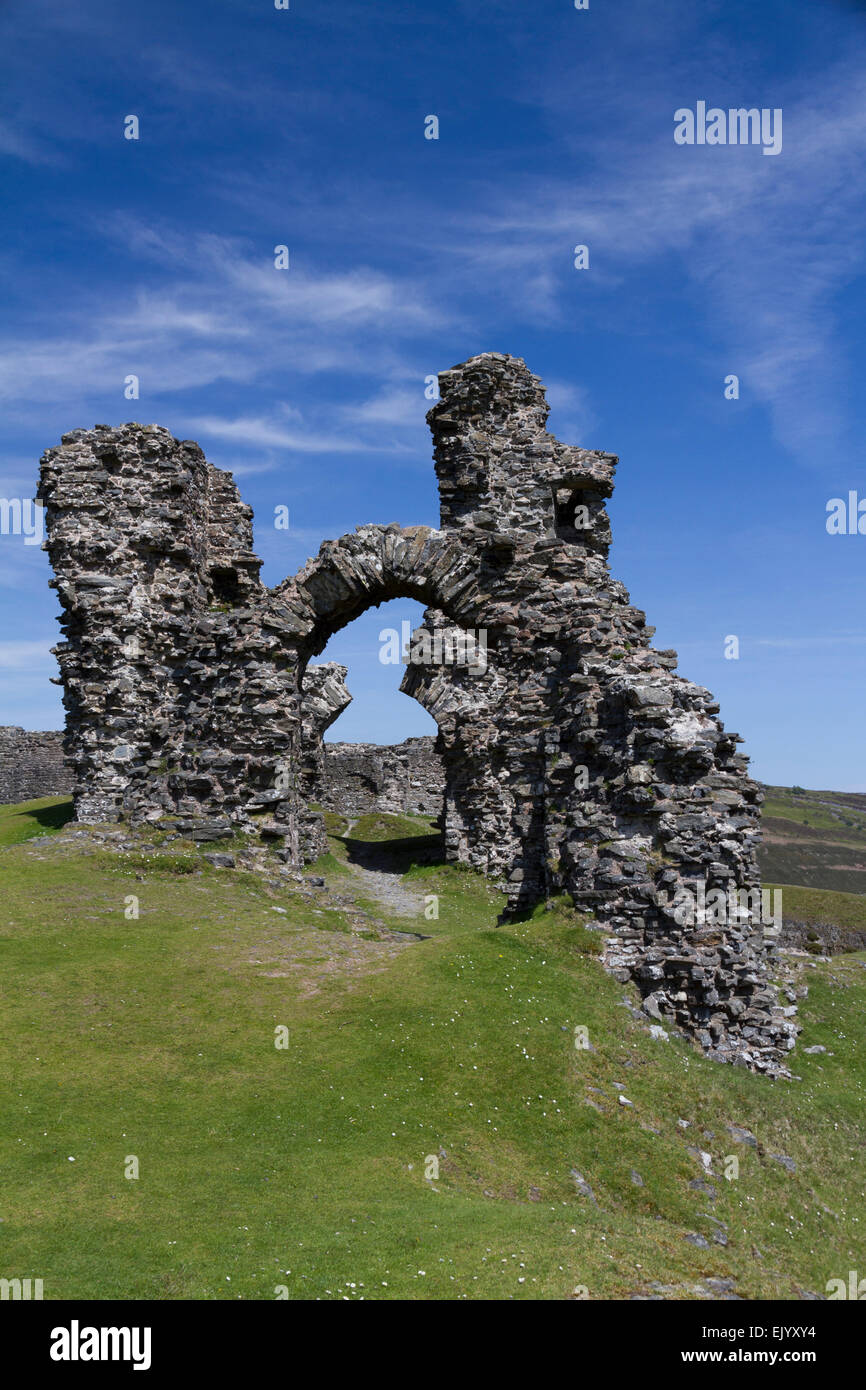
x=32 y=764
x=354 y=779
x=576 y=760
x=405 y=778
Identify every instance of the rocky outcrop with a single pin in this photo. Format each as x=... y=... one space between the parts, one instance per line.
x=576 y=759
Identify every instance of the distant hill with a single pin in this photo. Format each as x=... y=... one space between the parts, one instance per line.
x=815 y=838
x=814 y=846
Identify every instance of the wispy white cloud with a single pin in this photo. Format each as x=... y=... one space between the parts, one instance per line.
x=572 y=416
x=223 y=316
x=27 y=655
x=393 y=405
x=23 y=145
x=805 y=642
x=764 y=245
x=266 y=433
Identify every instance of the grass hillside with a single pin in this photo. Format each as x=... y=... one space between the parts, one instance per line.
x=814 y=838
x=430 y=1130
x=821 y=921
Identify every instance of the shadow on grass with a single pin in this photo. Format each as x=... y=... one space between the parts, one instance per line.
x=395 y=856
x=50 y=818
x=518 y=915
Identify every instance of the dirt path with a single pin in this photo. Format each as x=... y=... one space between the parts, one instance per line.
x=387 y=891
x=378 y=881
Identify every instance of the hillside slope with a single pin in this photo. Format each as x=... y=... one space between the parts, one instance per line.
x=814 y=838
x=429 y=1131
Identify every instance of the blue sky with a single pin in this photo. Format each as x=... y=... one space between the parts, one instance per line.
x=305 y=127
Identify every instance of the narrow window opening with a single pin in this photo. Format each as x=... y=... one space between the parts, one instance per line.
x=572 y=517
x=225 y=584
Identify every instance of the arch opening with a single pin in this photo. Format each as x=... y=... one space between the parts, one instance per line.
x=420 y=770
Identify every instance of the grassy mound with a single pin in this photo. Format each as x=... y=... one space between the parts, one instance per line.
x=819 y=920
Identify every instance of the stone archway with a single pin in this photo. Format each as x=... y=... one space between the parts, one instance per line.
x=368 y=567
x=360 y=571
x=587 y=766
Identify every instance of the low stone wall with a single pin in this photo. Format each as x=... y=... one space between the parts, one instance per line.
x=32 y=765
x=363 y=777
x=357 y=777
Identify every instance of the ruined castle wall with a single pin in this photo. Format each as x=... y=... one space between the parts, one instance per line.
x=32 y=765
x=576 y=760
x=354 y=778
x=398 y=778
x=126 y=513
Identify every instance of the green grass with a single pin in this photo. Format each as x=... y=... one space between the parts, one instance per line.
x=844 y=824
x=841 y=811
x=305 y=1167
x=821 y=905
x=831 y=920
x=31 y=818
x=375 y=827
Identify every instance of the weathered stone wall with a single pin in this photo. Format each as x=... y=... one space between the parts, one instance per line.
x=396 y=778
x=323 y=699
x=576 y=759
x=32 y=765
x=353 y=778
